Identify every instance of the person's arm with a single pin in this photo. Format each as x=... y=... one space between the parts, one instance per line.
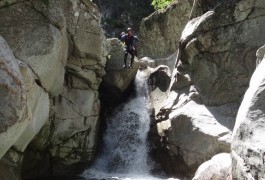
x=135 y=38
x=122 y=37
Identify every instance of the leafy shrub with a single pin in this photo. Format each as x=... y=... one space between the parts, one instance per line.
x=160 y=4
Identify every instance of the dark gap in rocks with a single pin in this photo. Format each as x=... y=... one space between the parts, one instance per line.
x=111 y=97
x=154 y=143
x=67 y=171
x=10 y=165
x=159 y=79
x=38 y=82
x=166 y=163
x=35 y=164
x=39 y=165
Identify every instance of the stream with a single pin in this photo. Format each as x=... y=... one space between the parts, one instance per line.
x=125 y=148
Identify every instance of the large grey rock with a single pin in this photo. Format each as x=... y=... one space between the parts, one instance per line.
x=38 y=106
x=159 y=81
x=169 y=61
x=218 y=168
x=13 y=105
x=87 y=70
x=23 y=113
x=146 y=62
x=248 y=146
x=217 y=48
x=88 y=51
x=83 y=25
x=75 y=111
x=160 y=32
x=75 y=125
x=36 y=41
x=197 y=132
x=70 y=134
x=52 y=10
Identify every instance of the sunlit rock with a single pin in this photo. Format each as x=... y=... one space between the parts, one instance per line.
x=248 y=147
x=160 y=32
x=14 y=113
x=218 y=168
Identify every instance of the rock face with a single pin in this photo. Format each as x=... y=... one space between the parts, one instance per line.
x=248 y=144
x=215 y=61
x=207 y=129
x=23 y=113
x=38 y=105
x=76 y=110
x=13 y=99
x=159 y=82
x=160 y=32
x=49 y=84
x=75 y=125
x=218 y=168
x=74 y=115
x=213 y=45
x=24 y=26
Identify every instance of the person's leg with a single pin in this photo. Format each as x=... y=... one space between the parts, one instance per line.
x=132 y=58
x=125 y=58
x=135 y=51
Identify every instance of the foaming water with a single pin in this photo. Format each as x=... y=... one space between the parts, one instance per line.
x=125 y=150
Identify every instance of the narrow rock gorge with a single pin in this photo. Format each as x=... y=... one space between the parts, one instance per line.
x=62 y=86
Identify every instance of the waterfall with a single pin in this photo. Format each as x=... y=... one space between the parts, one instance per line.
x=125 y=152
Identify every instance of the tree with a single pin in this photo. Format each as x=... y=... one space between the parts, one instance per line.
x=160 y=4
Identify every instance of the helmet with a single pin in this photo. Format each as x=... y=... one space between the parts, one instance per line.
x=129 y=29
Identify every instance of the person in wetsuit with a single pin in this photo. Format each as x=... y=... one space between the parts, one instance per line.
x=129 y=40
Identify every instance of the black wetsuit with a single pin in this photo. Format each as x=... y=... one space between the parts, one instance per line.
x=129 y=43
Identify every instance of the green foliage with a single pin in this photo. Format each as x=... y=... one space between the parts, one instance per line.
x=161 y=4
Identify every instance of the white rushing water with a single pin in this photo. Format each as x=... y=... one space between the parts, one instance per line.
x=125 y=149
